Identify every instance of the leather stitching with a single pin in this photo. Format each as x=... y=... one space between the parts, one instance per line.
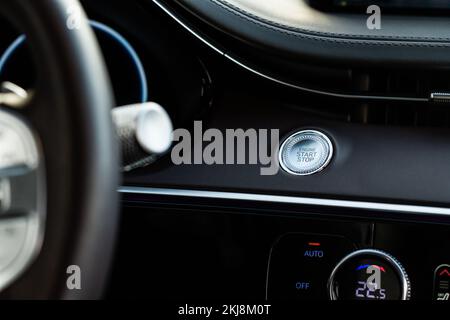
x=327 y=37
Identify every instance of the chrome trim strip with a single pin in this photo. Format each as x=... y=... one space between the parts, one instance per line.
x=440 y=97
x=170 y=14
x=349 y=204
x=268 y=77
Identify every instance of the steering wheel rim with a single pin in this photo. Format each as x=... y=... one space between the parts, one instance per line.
x=70 y=112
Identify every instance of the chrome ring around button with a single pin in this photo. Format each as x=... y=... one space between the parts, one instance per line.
x=305 y=152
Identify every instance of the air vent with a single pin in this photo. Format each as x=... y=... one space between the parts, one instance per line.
x=435 y=85
x=420 y=84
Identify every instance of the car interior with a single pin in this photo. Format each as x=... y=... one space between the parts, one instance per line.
x=225 y=150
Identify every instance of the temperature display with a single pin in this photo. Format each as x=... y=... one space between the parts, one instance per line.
x=369 y=275
x=372 y=287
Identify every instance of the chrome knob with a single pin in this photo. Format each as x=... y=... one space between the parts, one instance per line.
x=369 y=274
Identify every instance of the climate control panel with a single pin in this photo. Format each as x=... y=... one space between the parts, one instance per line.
x=332 y=267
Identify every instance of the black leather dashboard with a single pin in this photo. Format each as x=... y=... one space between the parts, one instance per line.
x=299 y=31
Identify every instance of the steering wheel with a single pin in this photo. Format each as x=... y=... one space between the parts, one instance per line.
x=59 y=163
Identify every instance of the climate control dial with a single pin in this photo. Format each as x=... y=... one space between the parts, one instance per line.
x=369 y=275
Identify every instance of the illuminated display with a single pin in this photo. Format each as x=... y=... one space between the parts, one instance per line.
x=369 y=275
x=372 y=287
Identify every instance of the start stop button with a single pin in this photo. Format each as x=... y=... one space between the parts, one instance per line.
x=306 y=152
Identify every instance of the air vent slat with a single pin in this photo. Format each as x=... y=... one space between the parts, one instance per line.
x=435 y=85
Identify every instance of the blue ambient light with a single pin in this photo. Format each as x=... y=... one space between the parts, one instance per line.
x=102 y=28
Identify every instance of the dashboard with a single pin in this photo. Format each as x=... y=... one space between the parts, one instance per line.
x=359 y=208
x=400 y=5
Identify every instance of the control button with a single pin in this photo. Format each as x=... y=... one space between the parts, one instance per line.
x=369 y=275
x=302 y=285
x=314 y=253
x=301 y=263
x=306 y=152
x=441 y=289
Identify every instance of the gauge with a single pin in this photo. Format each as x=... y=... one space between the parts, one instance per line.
x=126 y=70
